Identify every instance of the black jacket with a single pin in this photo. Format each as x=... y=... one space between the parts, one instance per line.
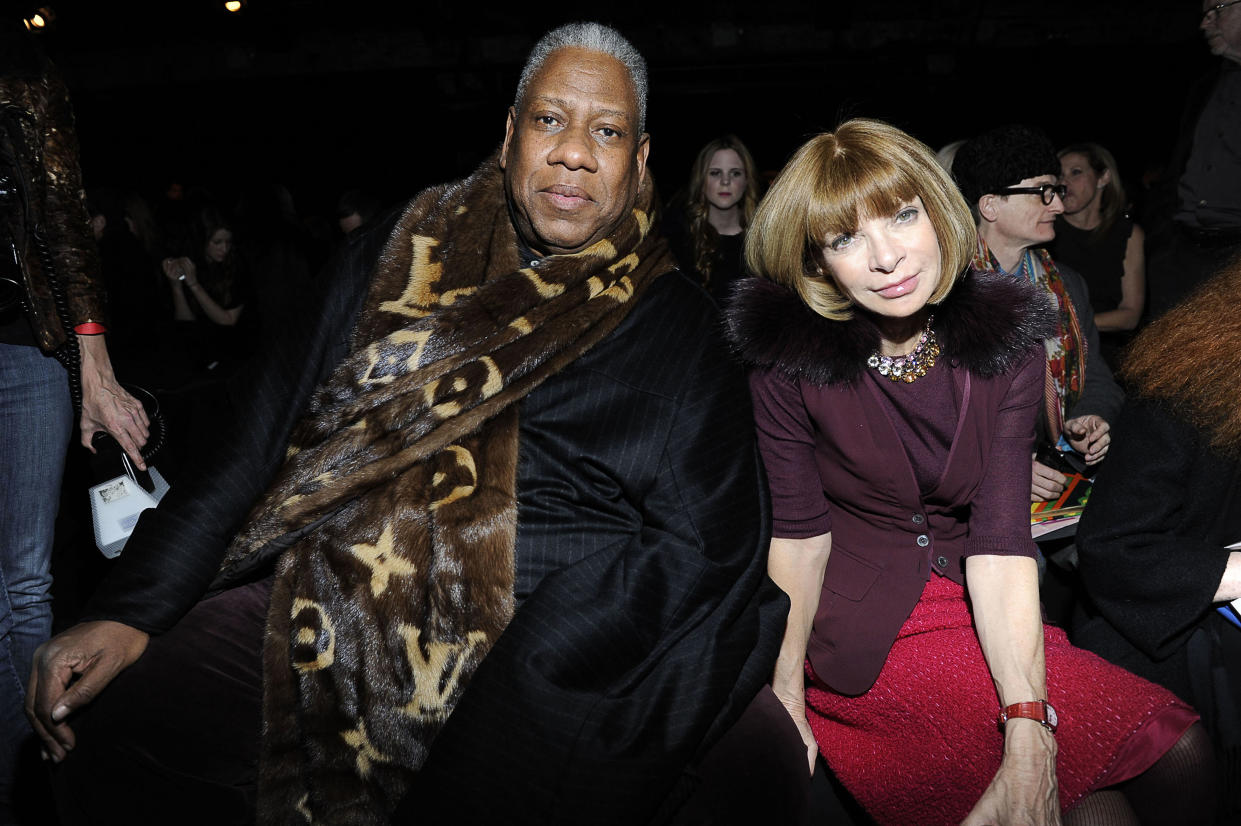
x=1152 y=546
x=646 y=621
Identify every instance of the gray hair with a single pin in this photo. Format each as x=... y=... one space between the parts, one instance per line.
x=594 y=37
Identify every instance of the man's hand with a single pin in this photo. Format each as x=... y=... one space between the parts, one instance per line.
x=94 y=653
x=105 y=404
x=1023 y=792
x=1046 y=484
x=1089 y=436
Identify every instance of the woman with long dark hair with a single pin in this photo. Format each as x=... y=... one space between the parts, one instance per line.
x=723 y=194
x=208 y=290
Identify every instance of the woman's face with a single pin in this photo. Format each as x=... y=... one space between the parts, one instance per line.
x=219 y=245
x=1083 y=183
x=726 y=183
x=891 y=265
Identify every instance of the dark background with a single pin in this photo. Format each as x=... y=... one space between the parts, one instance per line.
x=323 y=96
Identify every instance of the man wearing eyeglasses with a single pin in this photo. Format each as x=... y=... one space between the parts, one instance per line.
x=1205 y=229
x=1010 y=178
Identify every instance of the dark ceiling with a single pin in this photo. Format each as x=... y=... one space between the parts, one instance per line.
x=323 y=95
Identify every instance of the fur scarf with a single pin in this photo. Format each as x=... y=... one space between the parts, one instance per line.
x=397 y=502
x=986 y=325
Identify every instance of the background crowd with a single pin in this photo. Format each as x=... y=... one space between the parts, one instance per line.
x=199 y=272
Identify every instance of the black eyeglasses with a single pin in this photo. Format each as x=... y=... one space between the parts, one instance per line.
x=1217 y=8
x=1048 y=192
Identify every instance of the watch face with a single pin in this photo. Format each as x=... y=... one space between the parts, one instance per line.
x=1053 y=719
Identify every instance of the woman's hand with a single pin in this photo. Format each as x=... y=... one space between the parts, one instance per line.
x=1004 y=591
x=107 y=406
x=1090 y=436
x=175 y=268
x=796 y=707
x=1023 y=792
x=1046 y=484
x=797 y=566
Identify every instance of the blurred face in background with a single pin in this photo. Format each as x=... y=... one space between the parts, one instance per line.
x=219 y=245
x=1222 y=28
x=725 y=182
x=1083 y=184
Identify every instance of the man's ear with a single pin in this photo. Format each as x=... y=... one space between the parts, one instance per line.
x=988 y=209
x=644 y=149
x=509 y=125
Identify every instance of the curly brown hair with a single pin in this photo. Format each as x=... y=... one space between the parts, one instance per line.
x=1190 y=358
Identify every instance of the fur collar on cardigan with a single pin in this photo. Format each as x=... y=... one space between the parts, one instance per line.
x=985 y=325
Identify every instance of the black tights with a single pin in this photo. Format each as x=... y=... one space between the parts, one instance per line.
x=1179 y=788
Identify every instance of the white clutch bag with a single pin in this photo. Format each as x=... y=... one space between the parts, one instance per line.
x=115 y=506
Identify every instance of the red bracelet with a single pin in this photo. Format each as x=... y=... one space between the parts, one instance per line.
x=90 y=328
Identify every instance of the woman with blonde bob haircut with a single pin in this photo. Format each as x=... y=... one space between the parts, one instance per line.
x=864 y=168
x=895 y=394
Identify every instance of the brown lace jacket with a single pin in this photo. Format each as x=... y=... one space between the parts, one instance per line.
x=40 y=121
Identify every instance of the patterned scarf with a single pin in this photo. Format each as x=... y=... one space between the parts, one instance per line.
x=1066 y=351
x=399 y=491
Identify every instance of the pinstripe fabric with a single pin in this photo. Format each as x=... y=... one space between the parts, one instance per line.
x=647 y=622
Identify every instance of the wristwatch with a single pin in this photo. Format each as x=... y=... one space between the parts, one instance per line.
x=1040 y=711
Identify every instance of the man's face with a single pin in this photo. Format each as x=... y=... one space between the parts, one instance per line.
x=1024 y=220
x=572 y=156
x=1222 y=29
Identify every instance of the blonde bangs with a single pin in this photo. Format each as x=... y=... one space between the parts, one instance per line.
x=866 y=169
x=855 y=187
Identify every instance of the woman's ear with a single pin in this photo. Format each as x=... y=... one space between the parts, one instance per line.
x=1104 y=179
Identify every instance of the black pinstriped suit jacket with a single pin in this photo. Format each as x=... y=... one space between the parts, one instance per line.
x=646 y=622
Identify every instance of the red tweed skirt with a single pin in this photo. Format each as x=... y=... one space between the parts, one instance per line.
x=922 y=744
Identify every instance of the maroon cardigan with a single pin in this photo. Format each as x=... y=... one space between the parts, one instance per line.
x=886 y=536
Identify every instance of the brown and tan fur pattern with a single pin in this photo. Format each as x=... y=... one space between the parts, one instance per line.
x=380 y=615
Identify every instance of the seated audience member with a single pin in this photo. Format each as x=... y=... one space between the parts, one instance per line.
x=895 y=392
x=1095 y=237
x=209 y=289
x=708 y=235
x=1009 y=178
x=491 y=538
x=1153 y=543
x=355 y=209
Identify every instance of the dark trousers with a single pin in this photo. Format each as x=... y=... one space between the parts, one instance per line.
x=175 y=738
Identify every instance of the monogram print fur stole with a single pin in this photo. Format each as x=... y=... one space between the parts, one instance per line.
x=404 y=471
x=986 y=325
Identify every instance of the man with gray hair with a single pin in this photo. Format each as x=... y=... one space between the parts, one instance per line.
x=489 y=541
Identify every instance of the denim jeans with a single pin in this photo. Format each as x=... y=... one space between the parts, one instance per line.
x=36 y=419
